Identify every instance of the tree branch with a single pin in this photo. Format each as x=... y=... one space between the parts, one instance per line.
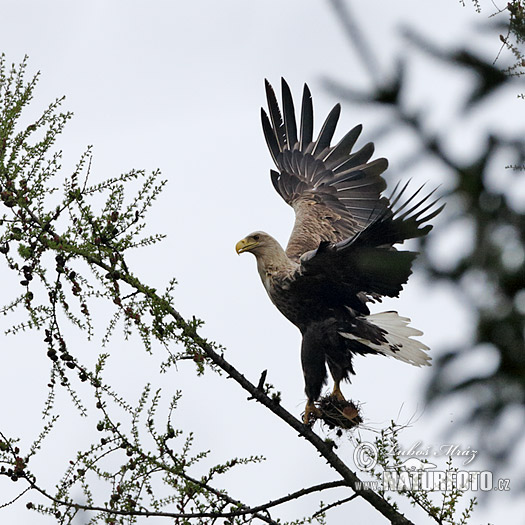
x=325 y=449
x=255 y=511
x=334 y=504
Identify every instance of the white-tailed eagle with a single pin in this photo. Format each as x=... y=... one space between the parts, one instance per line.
x=341 y=253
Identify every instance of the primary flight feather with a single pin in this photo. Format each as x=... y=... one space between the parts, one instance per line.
x=341 y=253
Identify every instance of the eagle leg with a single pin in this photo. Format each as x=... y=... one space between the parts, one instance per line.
x=310 y=410
x=336 y=392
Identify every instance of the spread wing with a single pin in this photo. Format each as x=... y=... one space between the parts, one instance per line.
x=366 y=263
x=335 y=193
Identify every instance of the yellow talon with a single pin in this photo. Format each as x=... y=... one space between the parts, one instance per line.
x=310 y=410
x=336 y=392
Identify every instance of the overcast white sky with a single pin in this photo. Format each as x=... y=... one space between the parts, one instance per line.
x=178 y=86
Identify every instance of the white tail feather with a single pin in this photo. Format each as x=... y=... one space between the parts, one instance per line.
x=399 y=343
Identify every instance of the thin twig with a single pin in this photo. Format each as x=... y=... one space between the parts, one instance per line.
x=335 y=504
x=15 y=499
x=236 y=513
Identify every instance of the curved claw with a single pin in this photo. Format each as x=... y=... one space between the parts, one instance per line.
x=310 y=411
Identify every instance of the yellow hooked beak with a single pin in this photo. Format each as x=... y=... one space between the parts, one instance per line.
x=245 y=245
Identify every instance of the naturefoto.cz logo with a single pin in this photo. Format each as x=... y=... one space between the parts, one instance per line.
x=416 y=474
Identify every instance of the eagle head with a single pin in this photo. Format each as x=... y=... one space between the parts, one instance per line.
x=255 y=243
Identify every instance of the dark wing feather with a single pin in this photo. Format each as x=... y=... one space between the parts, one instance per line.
x=340 y=153
x=307 y=119
x=271 y=138
x=275 y=116
x=397 y=224
x=327 y=132
x=290 y=125
x=335 y=193
x=366 y=263
x=356 y=159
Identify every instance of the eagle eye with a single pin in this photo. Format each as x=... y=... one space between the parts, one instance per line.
x=256 y=237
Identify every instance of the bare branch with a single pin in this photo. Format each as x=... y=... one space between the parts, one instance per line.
x=255 y=511
x=334 y=504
